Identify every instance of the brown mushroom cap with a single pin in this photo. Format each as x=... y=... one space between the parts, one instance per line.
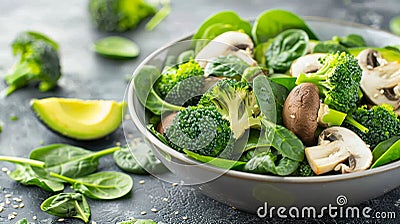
x=300 y=112
x=166 y=122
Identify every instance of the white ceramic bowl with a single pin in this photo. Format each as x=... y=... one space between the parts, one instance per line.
x=247 y=191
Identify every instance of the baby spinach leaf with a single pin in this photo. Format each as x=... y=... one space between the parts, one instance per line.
x=215 y=161
x=286 y=47
x=283 y=140
x=140 y=159
x=161 y=137
x=138 y=221
x=288 y=82
x=26 y=176
x=101 y=185
x=116 y=47
x=386 y=152
x=351 y=40
x=329 y=47
x=259 y=52
x=250 y=73
x=265 y=163
x=229 y=66
x=143 y=83
x=67 y=205
x=185 y=56
x=272 y=22
x=67 y=160
x=270 y=98
x=212 y=32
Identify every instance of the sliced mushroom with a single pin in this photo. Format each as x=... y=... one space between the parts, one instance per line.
x=300 y=111
x=335 y=146
x=380 y=80
x=228 y=43
x=306 y=64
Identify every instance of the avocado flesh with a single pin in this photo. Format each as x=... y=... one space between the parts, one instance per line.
x=79 y=119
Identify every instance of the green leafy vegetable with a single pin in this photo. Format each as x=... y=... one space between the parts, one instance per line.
x=38 y=62
x=252 y=72
x=259 y=52
x=272 y=22
x=140 y=159
x=394 y=25
x=67 y=205
x=23 y=221
x=161 y=137
x=185 y=57
x=229 y=66
x=265 y=163
x=215 y=161
x=119 y=15
x=386 y=152
x=26 y=176
x=159 y=16
x=288 y=82
x=351 y=40
x=101 y=185
x=143 y=83
x=67 y=160
x=328 y=47
x=286 y=47
x=116 y=47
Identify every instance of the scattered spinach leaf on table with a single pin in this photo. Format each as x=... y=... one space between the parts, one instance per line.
x=102 y=185
x=116 y=47
x=139 y=159
x=67 y=160
x=137 y=221
x=67 y=205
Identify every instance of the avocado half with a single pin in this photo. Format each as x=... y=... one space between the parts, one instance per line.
x=79 y=119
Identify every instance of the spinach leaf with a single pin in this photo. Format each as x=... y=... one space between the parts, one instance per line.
x=394 y=25
x=26 y=176
x=212 y=32
x=255 y=140
x=116 y=47
x=270 y=98
x=272 y=22
x=265 y=163
x=138 y=160
x=67 y=205
x=225 y=18
x=388 y=53
x=185 y=56
x=251 y=73
x=288 y=82
x=215 y=161
x=143 y=83
x=101 y=185
x=329 y=47
x=161 y=137
x=259 y=52
x=286 y=47
x=229 y=66
x=283 y=140
x=386 y=152
x=67 y=160
x=138 y=221
x=351 y=40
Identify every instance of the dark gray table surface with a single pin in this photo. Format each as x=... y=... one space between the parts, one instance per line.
x=88 y=76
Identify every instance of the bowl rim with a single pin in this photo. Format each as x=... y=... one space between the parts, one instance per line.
x=241 y=174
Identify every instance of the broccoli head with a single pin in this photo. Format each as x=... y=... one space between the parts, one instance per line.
x=119 y=15
x=304 y=170
x=236 y=102
x=183 y=85
x=338 y=81
x=201 y=130
x=381 y=121
x=38 y=62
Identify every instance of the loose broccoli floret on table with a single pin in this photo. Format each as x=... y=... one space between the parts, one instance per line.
x=201 y=130
x=382 y=123
x=38 y=62
x=338 y=81
x=119 y=15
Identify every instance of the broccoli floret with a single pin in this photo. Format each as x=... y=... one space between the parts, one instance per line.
x=338 y=81
x=304 y=170
x=38 y=62
x=119 y=15
x=382 y=123
x=182 y=86
x=236 y=102
x=201 y=130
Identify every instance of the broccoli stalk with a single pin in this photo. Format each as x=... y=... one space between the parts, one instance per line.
x=235 y=102
x=338 y=81
x=38 y=61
